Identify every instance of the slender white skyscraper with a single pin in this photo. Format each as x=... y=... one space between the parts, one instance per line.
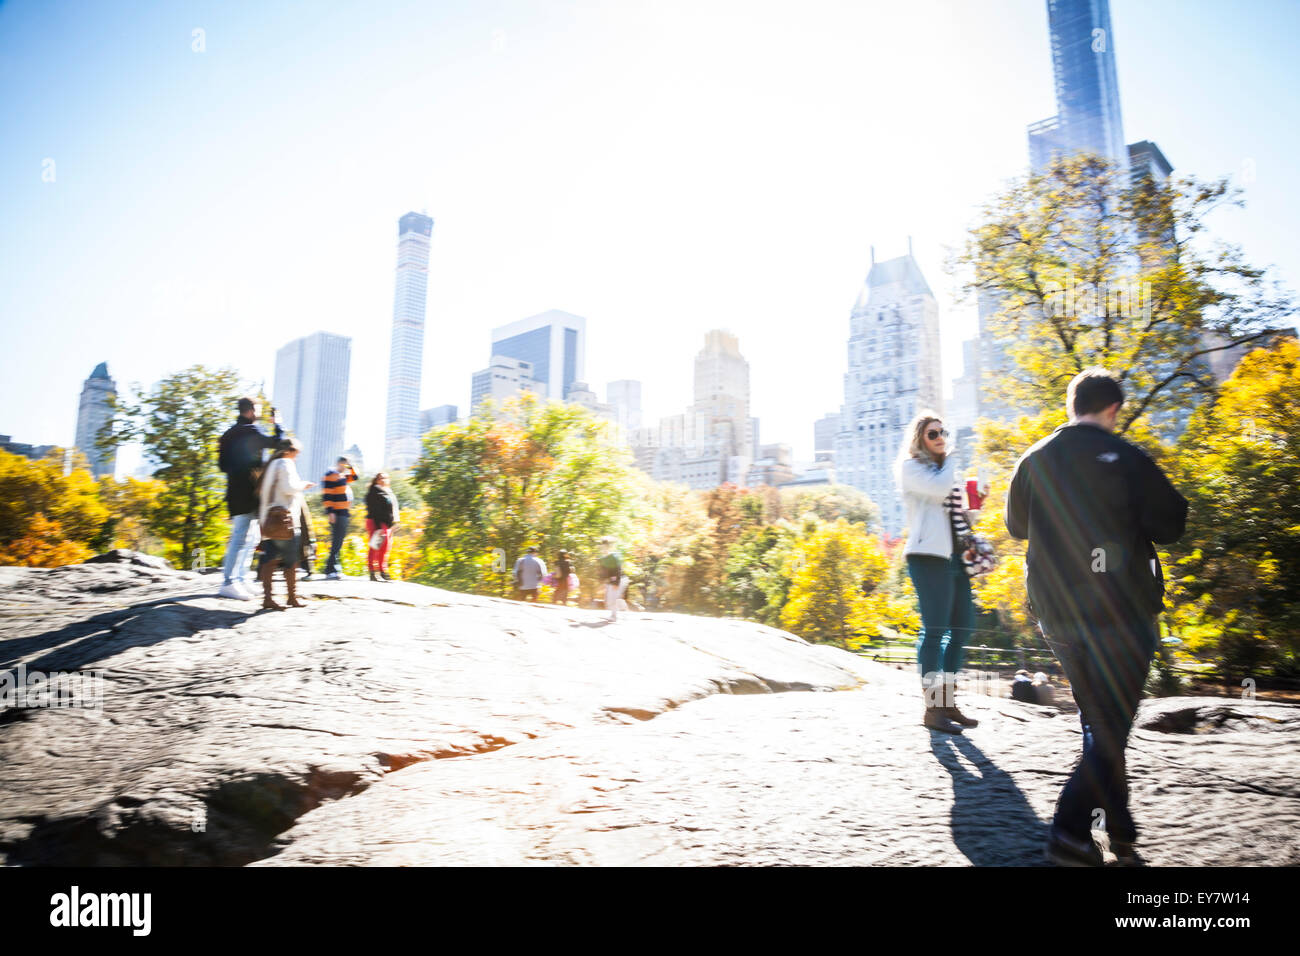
x=406 y=356
x=311 y=395
x=893 y=374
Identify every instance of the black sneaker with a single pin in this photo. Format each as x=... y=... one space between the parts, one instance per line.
x=1066 y=850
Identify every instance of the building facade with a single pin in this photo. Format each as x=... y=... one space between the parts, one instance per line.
x=504 y=378
x=406 y=351
x=894 y=373
x=553 y=343
x=311 y=395
x=93 y=411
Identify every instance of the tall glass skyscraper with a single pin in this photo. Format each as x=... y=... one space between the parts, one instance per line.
x=1087 y=90
x=554 y=343
x=311 y=395
x=406 y=355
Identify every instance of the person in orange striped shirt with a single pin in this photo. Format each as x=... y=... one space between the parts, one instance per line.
x=336 y=494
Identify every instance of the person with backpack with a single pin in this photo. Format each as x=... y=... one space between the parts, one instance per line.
x=239 y=455
x=382 y=513
x=1092 y=507
x=280 y=518
x=611 y=574
x=937 y=530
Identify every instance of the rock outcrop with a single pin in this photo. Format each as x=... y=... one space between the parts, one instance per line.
x=323 y=735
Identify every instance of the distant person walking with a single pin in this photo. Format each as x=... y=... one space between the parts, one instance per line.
x=926 y=471
x=239 y=455
x=280 y=517
x=529 y=571
x=611 y=575
x=1092 y=506
x=336 y=494
x=563 y=571
x=382 y=513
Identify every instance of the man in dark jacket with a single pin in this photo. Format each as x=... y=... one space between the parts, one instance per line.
x=1091 y=505
x=239 y=455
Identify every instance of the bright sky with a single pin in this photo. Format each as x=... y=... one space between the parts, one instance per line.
x=661 y=168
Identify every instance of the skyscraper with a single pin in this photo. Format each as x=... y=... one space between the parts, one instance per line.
x=893 y=374
x=92 y=412
x=625 y=396
x=406 y=354
x=554 y=343
x=1087 y=90
x=311 y=395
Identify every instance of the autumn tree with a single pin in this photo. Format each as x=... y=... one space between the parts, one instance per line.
x=1088 y=270
x=1235 y=589
x=47 y=518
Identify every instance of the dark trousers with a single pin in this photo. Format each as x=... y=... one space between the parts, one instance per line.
x=526 y=594
x=947 y=611
x=1106 y=666
x=338 y=531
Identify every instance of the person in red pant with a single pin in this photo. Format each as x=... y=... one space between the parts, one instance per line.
x=382 y=513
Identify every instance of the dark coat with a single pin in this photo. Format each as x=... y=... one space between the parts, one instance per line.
x=380 y=505
x=239 y=454
x=1091 y=506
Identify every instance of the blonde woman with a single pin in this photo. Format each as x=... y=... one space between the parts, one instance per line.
x=926 y=473
x=282 y=488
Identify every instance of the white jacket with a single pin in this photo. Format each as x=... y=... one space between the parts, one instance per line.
x=282 y=486
x=924 y=487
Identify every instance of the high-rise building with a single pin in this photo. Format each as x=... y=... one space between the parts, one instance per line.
x=406 y=354
x=311 y=395
x=553 y=343
x=894 y=369
x=504 y=378
x=432 y=418
x=714 y=441
x=1087 y=88
x=93 y=411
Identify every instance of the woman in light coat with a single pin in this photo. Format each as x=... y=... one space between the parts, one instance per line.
x=926 y=474
x=281 y=486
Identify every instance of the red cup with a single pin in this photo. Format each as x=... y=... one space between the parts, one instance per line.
x=974 y=500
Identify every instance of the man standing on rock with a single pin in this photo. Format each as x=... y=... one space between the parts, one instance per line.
x=611 y=573
x=239 y=455
x=1091 y=505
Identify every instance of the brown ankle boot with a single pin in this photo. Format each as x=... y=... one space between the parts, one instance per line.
x=936 y=715
x=291 y=579
x=267 y=570
x=951 y=711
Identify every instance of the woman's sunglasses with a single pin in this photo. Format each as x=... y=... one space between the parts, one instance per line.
x=934 y=433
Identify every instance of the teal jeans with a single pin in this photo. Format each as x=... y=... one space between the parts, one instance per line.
x=947 y=612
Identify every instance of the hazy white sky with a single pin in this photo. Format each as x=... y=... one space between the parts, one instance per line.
x=660 y=168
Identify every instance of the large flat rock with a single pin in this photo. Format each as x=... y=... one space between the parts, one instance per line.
x=322 y=736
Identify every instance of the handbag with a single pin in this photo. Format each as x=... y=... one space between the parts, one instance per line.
x=978 y=555
x=278 y=524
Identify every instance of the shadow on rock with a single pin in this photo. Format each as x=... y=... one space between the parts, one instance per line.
x=992 y=822
x=81 y=643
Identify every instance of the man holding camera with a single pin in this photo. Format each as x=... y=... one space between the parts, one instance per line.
x=240 y=457
x=336 y=493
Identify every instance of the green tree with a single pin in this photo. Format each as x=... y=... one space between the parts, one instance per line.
x=830 y=502
x=179 y=422
x=548 y=474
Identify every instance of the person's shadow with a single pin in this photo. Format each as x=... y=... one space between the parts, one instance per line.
x=992 y=822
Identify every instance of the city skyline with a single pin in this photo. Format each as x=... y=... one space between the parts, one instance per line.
x=744 y=192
